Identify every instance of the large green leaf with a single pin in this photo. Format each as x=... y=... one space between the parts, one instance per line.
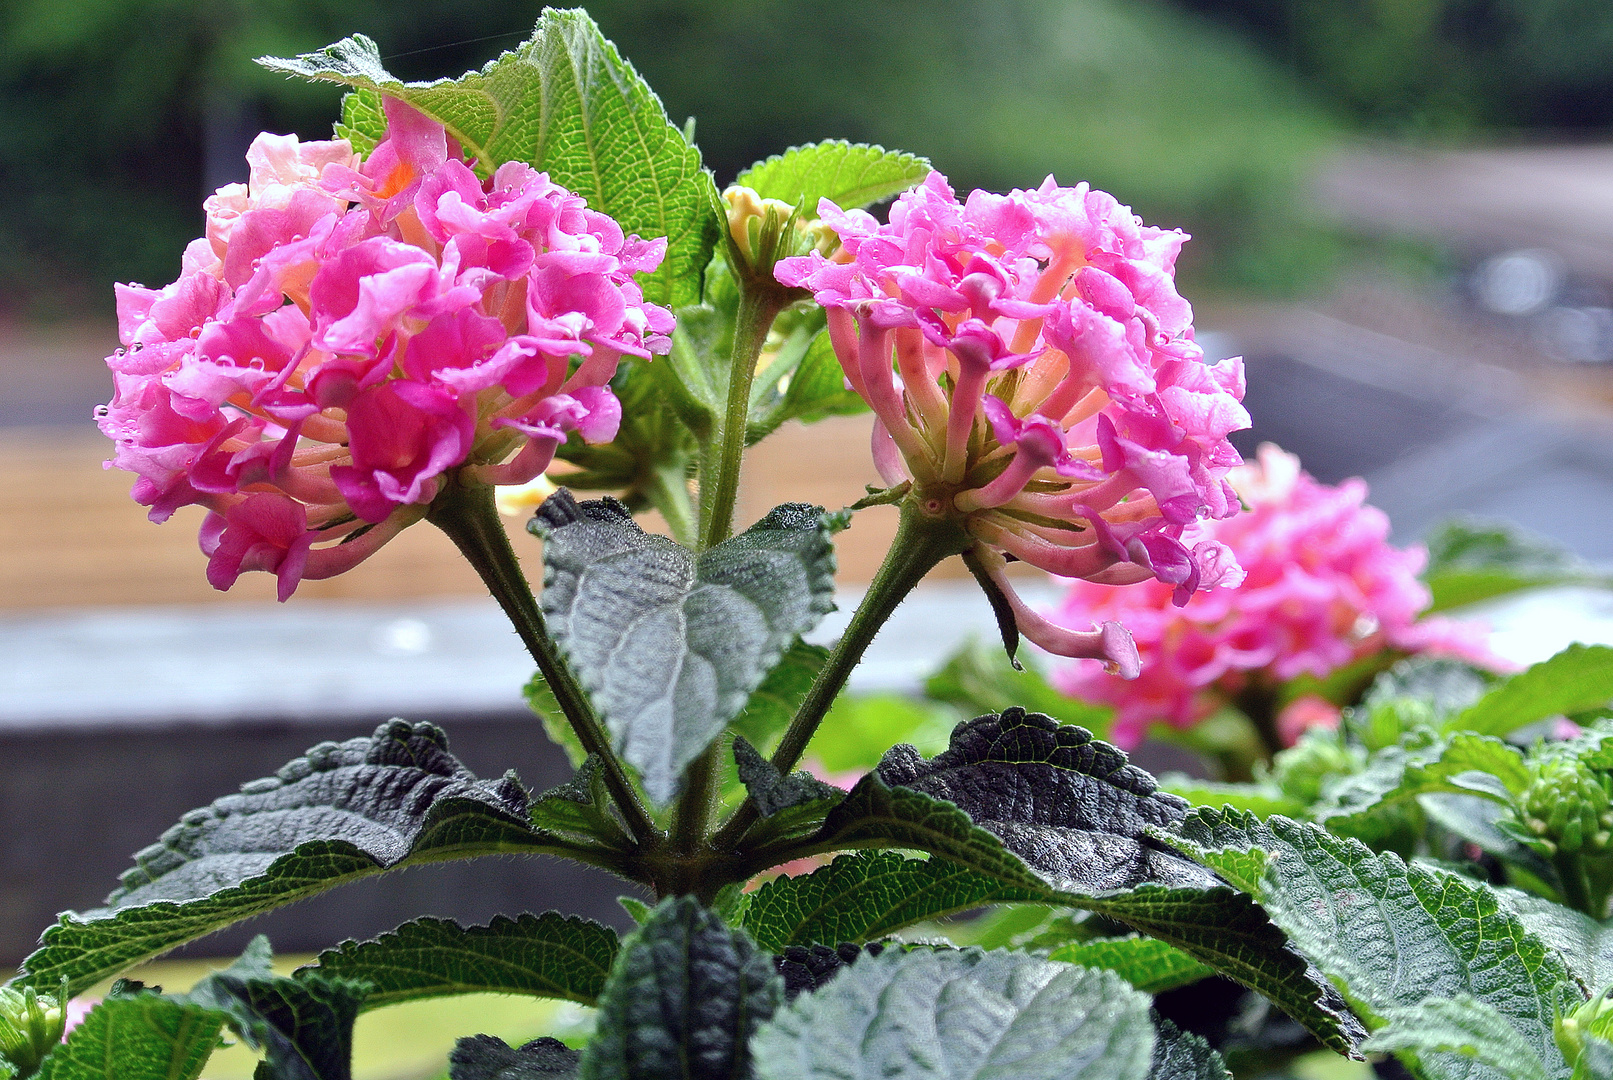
x=1149 y=964
x=958 y=1015
x=684 y=999
x=565 y=102
x=671 y=645
x=1575 y=680
x=1462 y=764
x=1471 y=560
x=548 y=955
x=342 y=812
x=138 y=1037
x=1390 y=934
x=304 y=1026
x=847 y=174
x=1443 y=1032
x=1584 y=943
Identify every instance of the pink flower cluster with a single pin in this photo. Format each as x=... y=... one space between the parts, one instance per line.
x=1033 y=372
x=349 y=331
x=1323 y=588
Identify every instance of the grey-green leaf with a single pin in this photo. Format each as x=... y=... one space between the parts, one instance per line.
x=684 y=1000
x=566 y=102
x=549 y=955
x=671 y=645
x=1438 y=1029
x=1585 y=944
x=486 y=1057
x=343 y=811
x=1181 y=1055
x=958 y=1015
x=1575 y=680
x=1149 y=964
x=847 y=174
x=142 y=1037
x=1390 y=934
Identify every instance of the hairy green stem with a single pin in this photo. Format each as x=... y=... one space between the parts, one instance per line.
x=695 y=802
x=719 y=469
x=921 y=542
x=465 y=511
x=667 y=489
x=1577 y=892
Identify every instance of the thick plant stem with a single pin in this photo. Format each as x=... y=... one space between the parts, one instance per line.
x=667 y=489
x=719 y=471
x=695 y=802
x=465 y=511
x=921 y=542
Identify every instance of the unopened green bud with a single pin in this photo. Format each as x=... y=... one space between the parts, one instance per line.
x=1568 y=806
x=767 y=230
x=31 y=1024
x=1594 y=1019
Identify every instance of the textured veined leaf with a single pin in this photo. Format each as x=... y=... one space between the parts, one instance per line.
x=1181 y=1055
x=1463 y=764
x=341 y=812
x=1390 y=934
x=847 y=174
x=140 y=1037
x=486 y=1057
x=958 y=1015
x=549 y=955
x=684 y=1000
x=567 y=103
x=1150 y=965
x=668 y=644
x=1438 y=1029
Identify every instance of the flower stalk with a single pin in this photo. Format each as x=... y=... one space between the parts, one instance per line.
x=719 y=473
x=465 y=511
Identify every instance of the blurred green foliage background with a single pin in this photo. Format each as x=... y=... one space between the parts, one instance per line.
x=117 y=116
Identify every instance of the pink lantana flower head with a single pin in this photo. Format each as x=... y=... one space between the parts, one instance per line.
x=1033 y=373
x=1322 y=588
x=349 y=332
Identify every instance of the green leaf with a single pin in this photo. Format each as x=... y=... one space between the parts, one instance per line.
x=773 y=704
x=1471 y=560
x=961 y=1014
x=1071 y=806
x=1390 y=934
x=1462 y=764
x=1585 y=944
x=583 y=809
x=684 y=999
x=363 y=122
x=1439 y=1028
x=1181 y=1055
x=847 y=174
x=1150 y=965
x=141 y=1037
x=702 y=345
x=549 y=955
x=979 y=678
x=816 y=387
x=342 y=812
x=305 y=1026
x=1262 y=800
x=1575 y=680
x=541 y=700
x=567 y=103
x=790 y=806
x=486 y=1057
x=670 y=645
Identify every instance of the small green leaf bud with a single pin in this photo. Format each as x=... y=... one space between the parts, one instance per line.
x=1594 y=1019
x=31 y=1024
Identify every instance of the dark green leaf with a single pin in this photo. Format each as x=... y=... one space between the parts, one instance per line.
x=143 y=1037
x=670 y=645
x=1181 y=1055
x=548 y=955
x=342 y=812
x=791 y=805
x=1575 y=680
x=956 y=1014
x=806 y=968
x=304 y=1025
x=847 y=174
x=567 y=103
x=485 y=1057
x=684 y=999
x=582 y=808
x=1471 y=560
x=1443 y=1033
x=1150 y=965
x=1390 y=934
